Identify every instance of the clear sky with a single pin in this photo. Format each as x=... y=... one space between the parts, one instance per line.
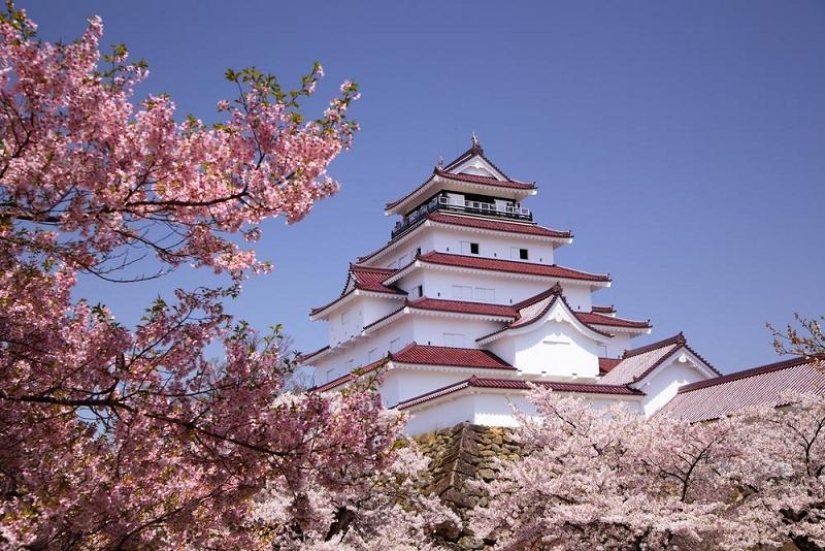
x=682 y=142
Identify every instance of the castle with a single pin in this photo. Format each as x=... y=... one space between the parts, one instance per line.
x=466 y=305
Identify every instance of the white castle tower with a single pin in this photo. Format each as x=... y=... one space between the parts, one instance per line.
x=466 y=304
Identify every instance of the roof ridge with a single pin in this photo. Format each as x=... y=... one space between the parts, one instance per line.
x=503 y=262
x=539 y=297
x=753 y=372
x=365 y=267
x=678 y=339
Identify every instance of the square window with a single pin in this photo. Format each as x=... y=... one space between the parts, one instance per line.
x=463 y=292
x=523 y=254
x=473 y=248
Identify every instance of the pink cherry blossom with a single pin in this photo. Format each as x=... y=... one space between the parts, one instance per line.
x=117 y=437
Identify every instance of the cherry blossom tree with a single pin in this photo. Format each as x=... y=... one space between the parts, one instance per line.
x=804 y=337
x=605 y=479
x=610 y=479
x=121 y=438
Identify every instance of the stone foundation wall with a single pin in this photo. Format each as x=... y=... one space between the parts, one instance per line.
x=458 y=456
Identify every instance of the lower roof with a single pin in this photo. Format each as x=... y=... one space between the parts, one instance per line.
x=768 y=385
x=519 y=385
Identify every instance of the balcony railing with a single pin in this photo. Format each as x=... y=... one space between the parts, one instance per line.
x=451 y=204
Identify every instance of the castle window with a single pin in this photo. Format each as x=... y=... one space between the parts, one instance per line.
x=462 y=292
x=419 y=291
x=521 y=254
x=485 y=295
x=469 y=248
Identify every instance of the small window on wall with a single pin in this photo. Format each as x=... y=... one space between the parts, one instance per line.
x=521 y=254
x=462 y=292
x=469 y=248
x=454 y=339
x=485 y=295
x=419 y=291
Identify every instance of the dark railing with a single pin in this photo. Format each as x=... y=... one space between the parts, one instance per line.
x=450 y=204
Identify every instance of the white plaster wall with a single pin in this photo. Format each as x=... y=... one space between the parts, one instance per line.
x=557 y=349
x=403 y=384
x=447 y=414
x=490 y=409
x=613 y=348
x=505 y=349
x=422 y=239
x=490 y=246
x=665 y=383
x=376 y=308
x=439 y=284
x=348 y=321
x=380 y=339
x=431 y=330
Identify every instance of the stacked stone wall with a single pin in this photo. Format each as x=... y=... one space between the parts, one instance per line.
x=459 y=456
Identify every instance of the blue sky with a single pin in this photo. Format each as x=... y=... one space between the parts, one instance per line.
x=682 y=142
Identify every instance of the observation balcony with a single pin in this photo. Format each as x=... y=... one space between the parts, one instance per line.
x=452 y=204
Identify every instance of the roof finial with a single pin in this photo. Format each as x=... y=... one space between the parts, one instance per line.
x=440 y=161
x=476 y=144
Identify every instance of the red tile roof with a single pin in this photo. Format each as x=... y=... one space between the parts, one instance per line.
x=464 y=307
x=761 y=386
x=475 y=149
x=638 y=363
x=418 y=354
x=493 y=264
x=415 y=353
x=480 y=223
x=486 y=180
x=521 y=385
x=535 y=309
x=497 y=225
x=603 y=309
x=369 y=278
x=598 y=319
x=304 y=357
x=365 y=278
x=344 y=379
x=335 y=383
x=469 y=178
x=606 y=364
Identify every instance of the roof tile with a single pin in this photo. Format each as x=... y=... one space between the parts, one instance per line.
x=455 y=357
x=510 y=266
x=519 y=384
x=762 y=386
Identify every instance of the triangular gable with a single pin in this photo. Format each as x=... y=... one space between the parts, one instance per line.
x=362 y=280
x=762 y=386
x=544 y=307
x=643 y=363
x=474 y=162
